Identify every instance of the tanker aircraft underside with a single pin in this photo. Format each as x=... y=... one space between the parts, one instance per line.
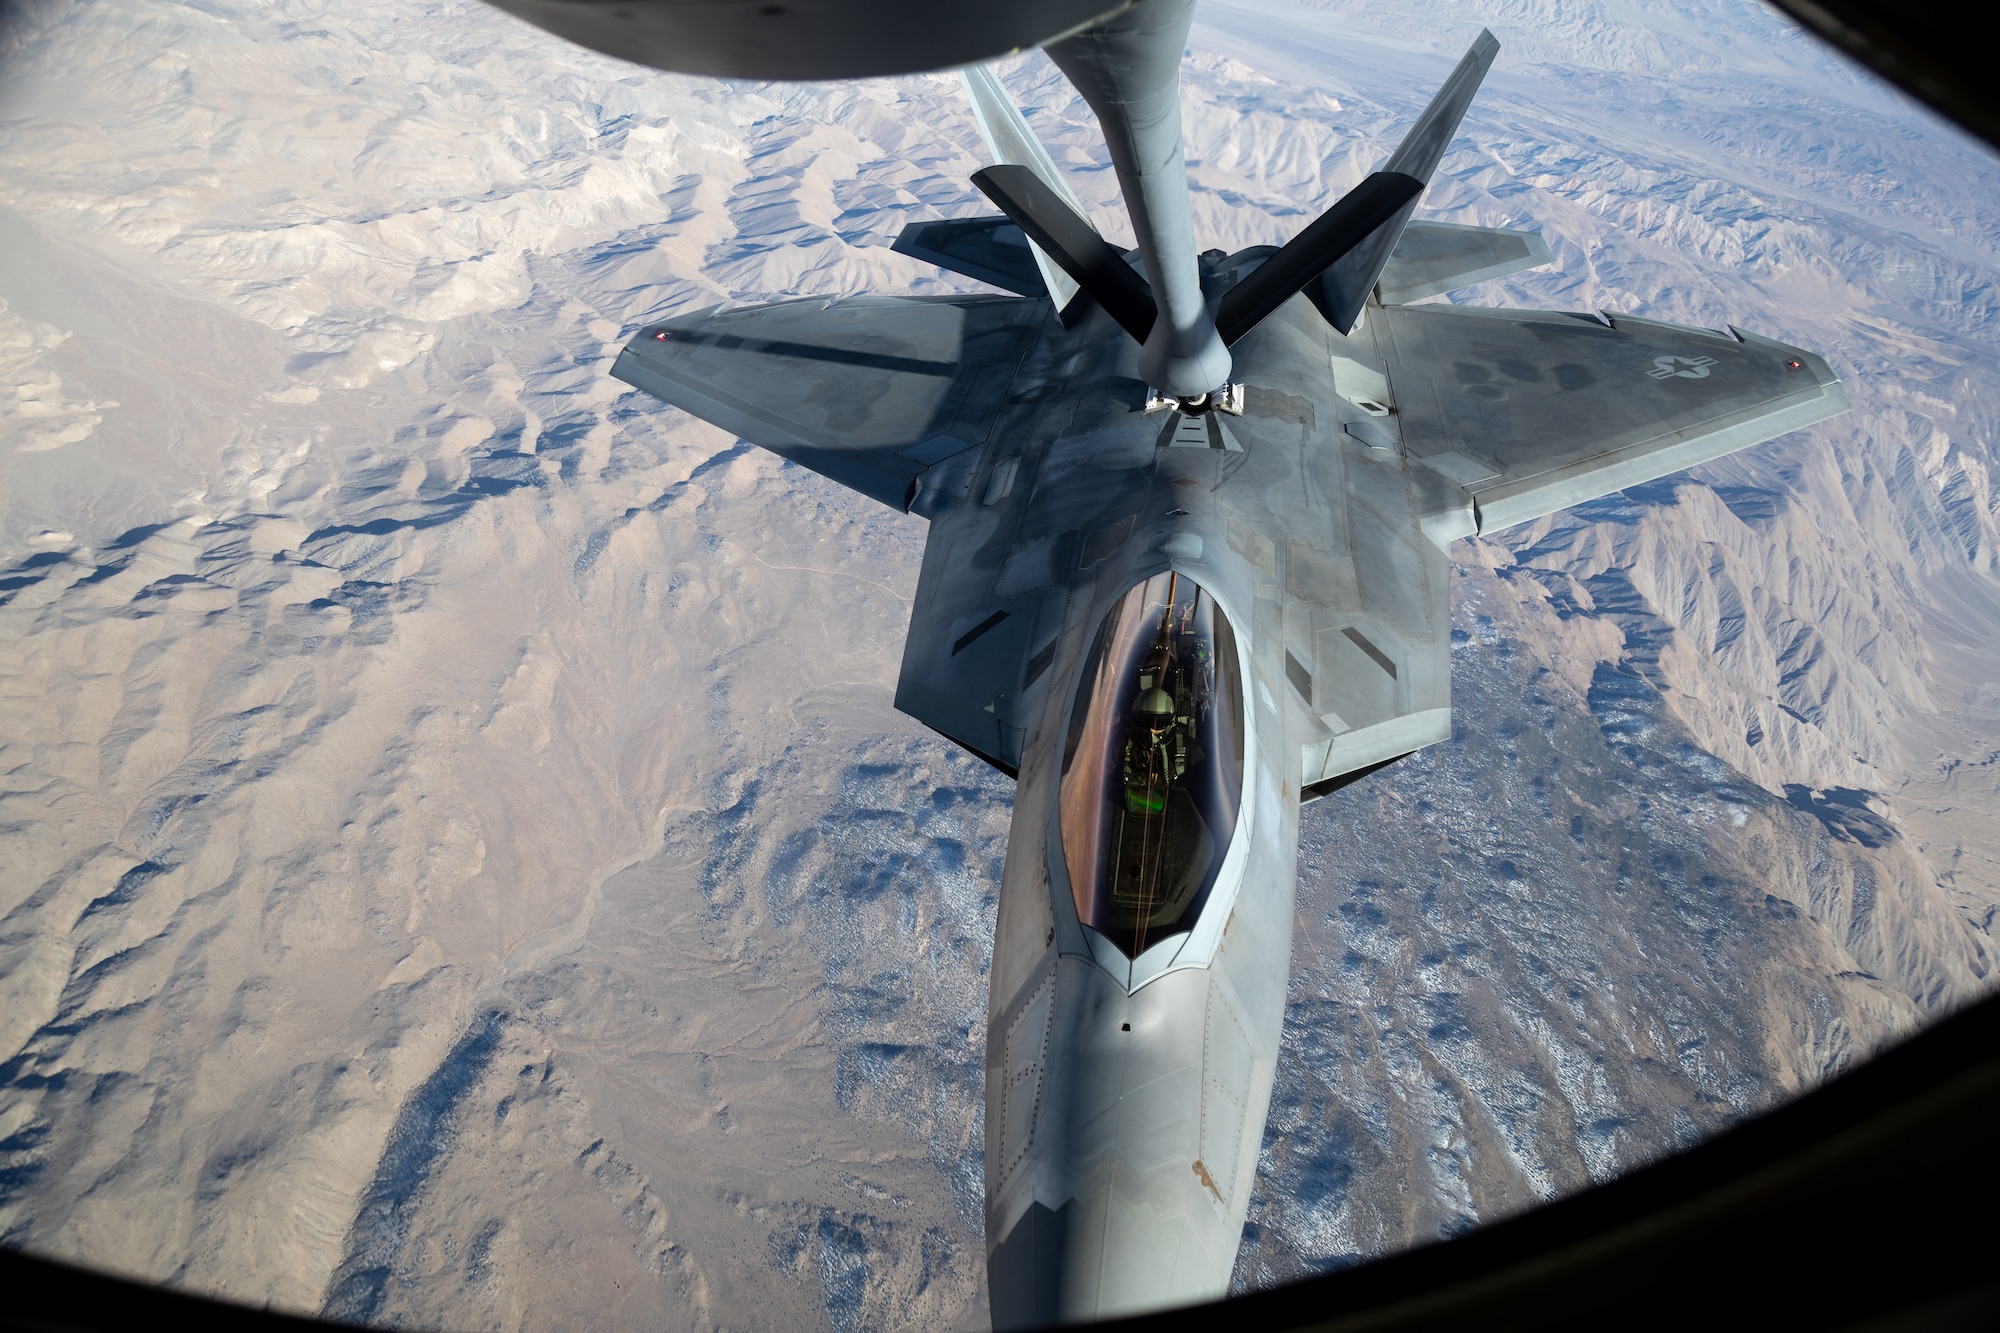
x=1186 y=571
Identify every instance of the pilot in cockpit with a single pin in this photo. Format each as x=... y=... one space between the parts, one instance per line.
x=1154 y=773
x=1155 y=749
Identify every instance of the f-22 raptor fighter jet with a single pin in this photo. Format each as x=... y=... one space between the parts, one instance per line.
x=1189 y=515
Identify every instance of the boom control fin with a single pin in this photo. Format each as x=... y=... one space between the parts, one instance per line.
x=1060 y=233
x=1360 y=213
x=1343 y=289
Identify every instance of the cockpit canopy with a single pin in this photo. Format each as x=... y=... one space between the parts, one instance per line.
x=1152 y=774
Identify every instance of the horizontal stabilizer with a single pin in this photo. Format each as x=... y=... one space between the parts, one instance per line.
x=1343 y=289
x=1014 y=144
x=1073 y=243
x=991 y=249
x=1438 y=257
x=1333 y=234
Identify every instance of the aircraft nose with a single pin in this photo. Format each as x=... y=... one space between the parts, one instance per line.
x=1122 y=1213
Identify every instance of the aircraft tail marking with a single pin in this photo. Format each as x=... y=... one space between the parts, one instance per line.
x=1062 y=234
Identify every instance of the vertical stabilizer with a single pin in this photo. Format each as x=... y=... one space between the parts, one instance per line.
x=1344 y=288
x=1013 y=144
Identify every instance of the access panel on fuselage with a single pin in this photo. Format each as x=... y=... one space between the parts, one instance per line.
x=1330 y=523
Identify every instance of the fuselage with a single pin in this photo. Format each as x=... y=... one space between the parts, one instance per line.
x=1174 y=623
x=1129 y=1071
x=1175 y=627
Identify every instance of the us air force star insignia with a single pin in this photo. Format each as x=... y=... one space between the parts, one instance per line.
x=1686 y=367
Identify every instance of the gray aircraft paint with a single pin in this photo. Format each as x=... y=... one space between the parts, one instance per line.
x=1126 y=1097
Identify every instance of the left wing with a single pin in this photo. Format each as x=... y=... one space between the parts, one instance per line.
x=870 y=391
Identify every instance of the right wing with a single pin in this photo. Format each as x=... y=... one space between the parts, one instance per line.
x=870 y=391
x=1532 y=411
